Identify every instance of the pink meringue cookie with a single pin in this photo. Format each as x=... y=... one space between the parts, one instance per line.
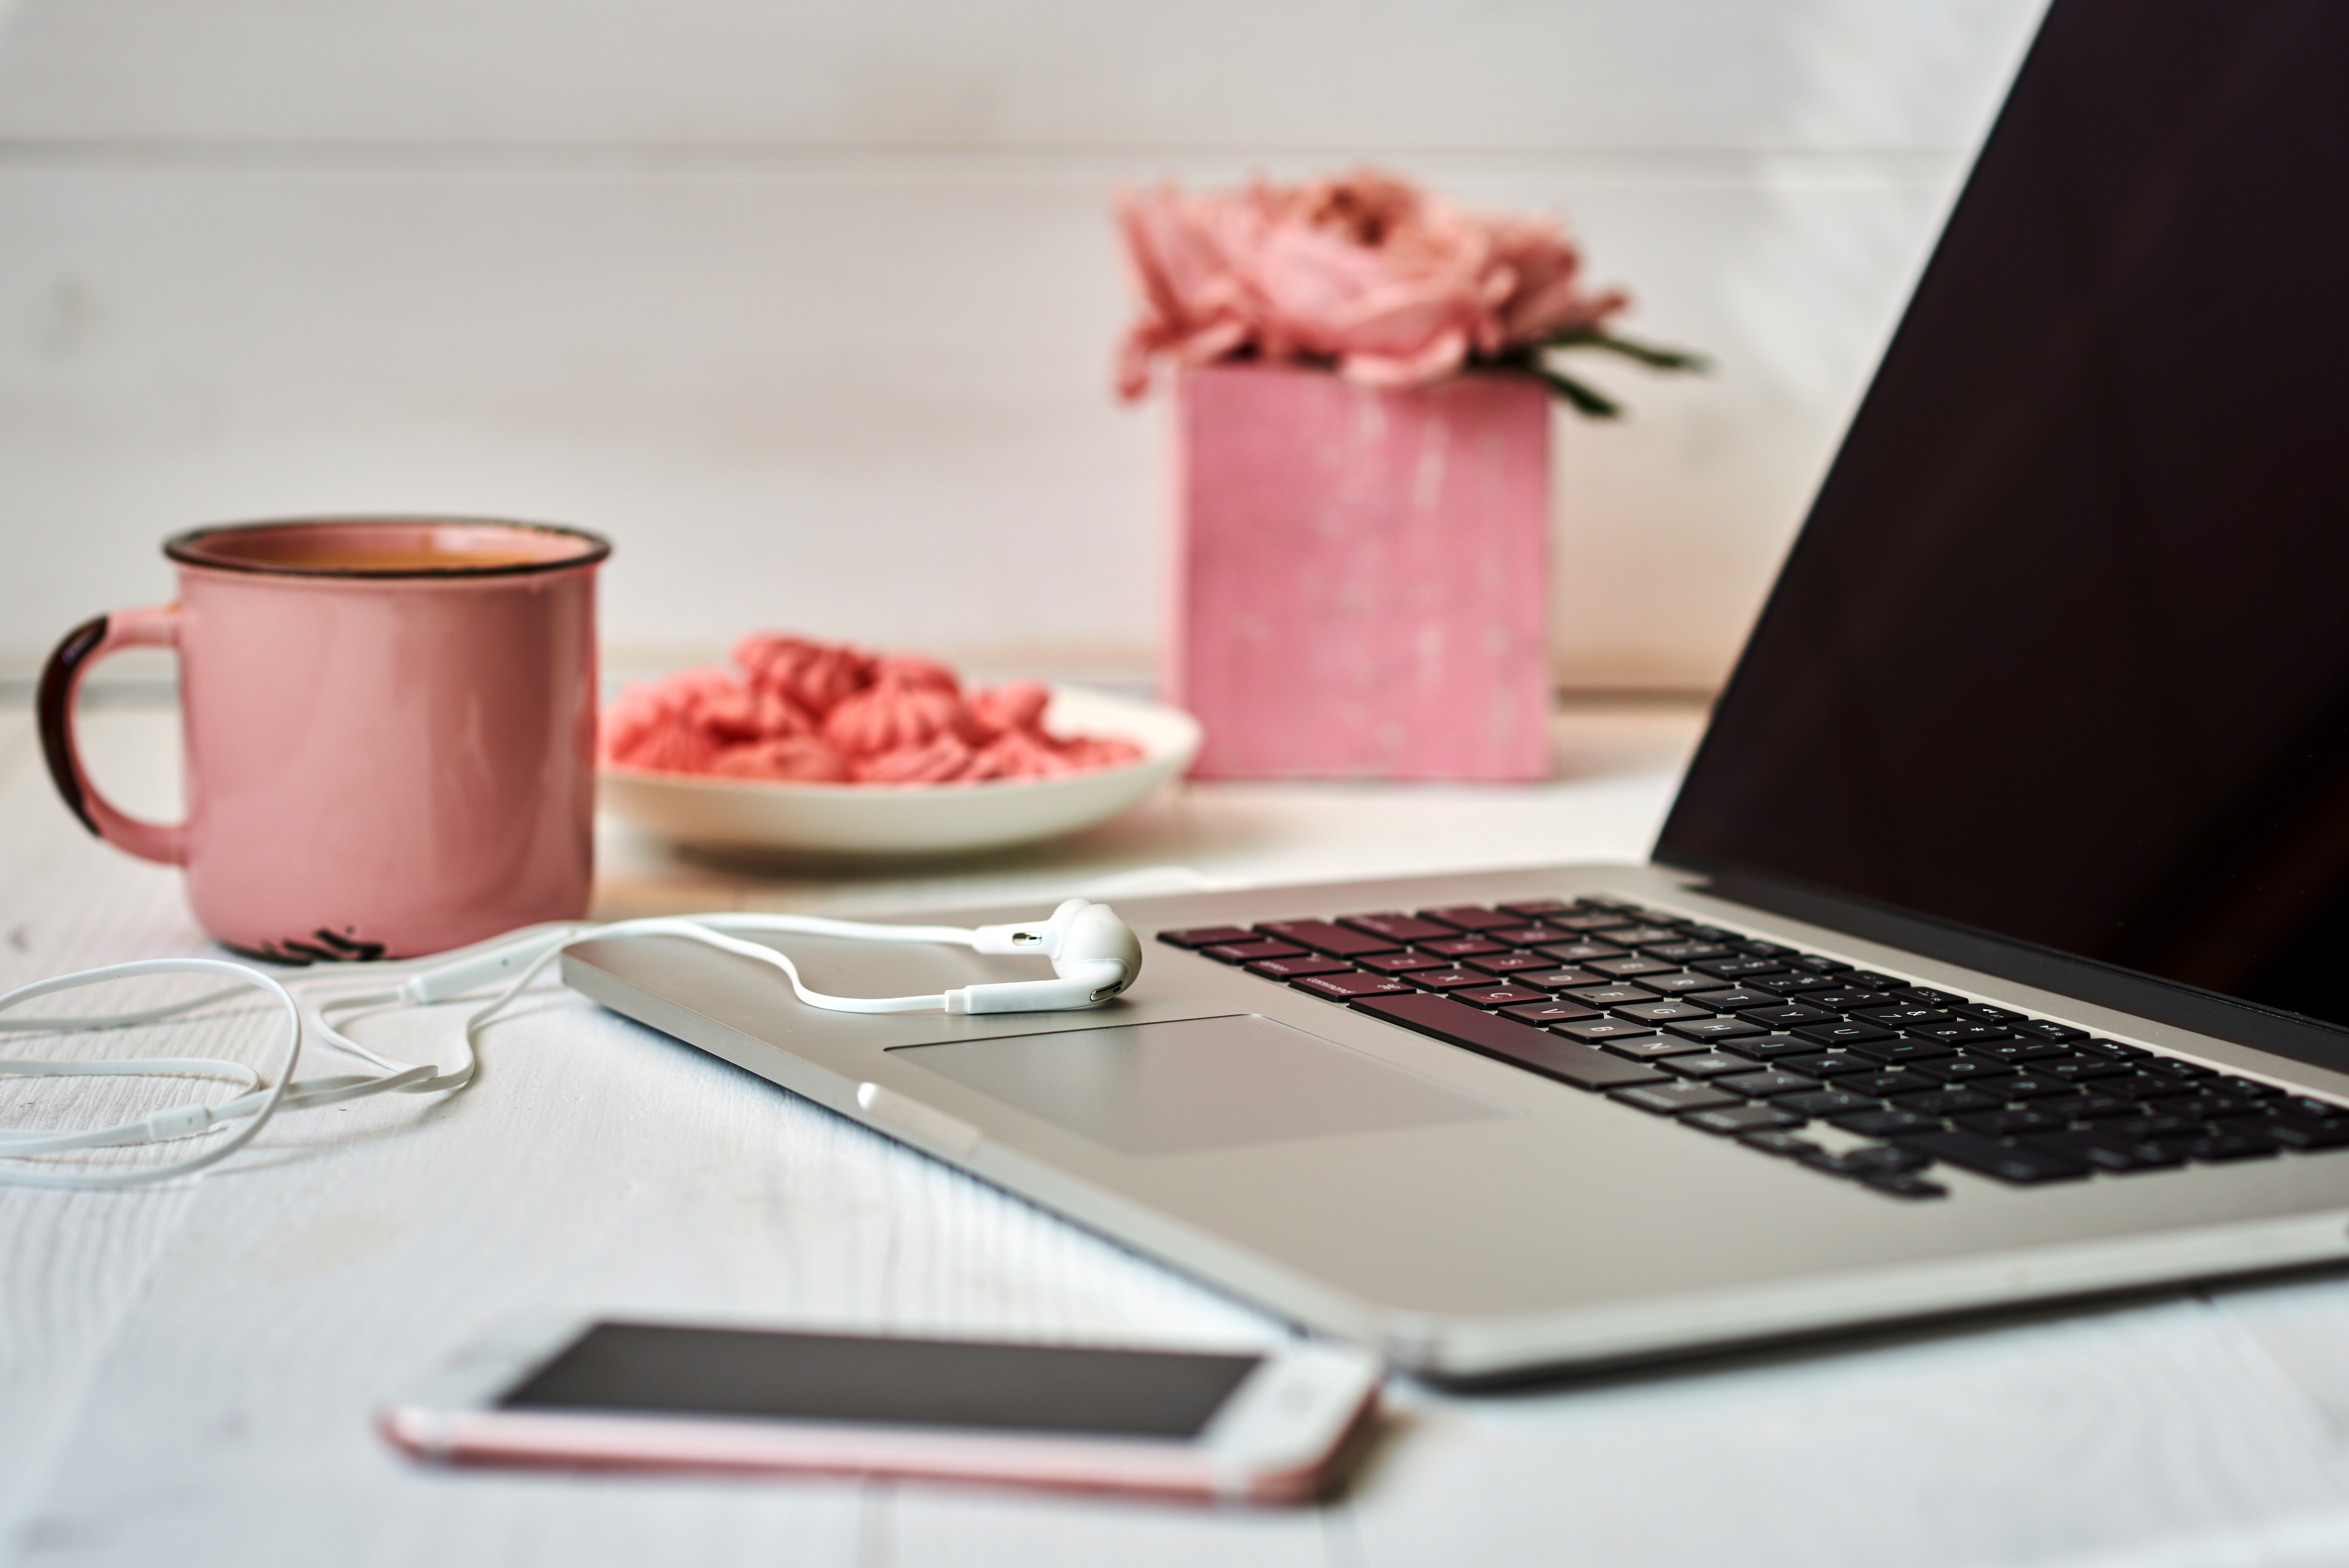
x=809 y=711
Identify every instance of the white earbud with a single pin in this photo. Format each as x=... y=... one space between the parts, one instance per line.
x=1095 y=955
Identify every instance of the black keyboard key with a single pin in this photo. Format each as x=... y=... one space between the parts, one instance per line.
x=2139 y=1086
x=1962 y=1068
x=1471 y=917
x=2028 y=1085
x=1886 y=1123
x=1598 y=1029
x=1488 y=1034
x=1786 y=1015
x=1905 y=1015
x=1398 y=926
x=1901 y=1049
x=1447 y=979
x=2088 y=1107
x=1902 y=1185
x=1636 y=935
x=1758 y=948
x=1501 y=996
x=1346 y=987
x=1984 y=1013
x=1768 y=1048
x=1930 y=998
x=1583 y=952
x=1624 y=968
x=2048 y=1029
x=2076 y=1069
x=1847 y=1000
x=1830 y=1064
x=1726 y=1026
x=1506 y=962
x=1738 y=968
x=2250 y=1088
x=1828 y=1102
x=1401 y=963
x=2308 y=1108
x=1298 y=968
x=1955 y=1033
x=2112 y=1049
x=1207 y=935
x=2107 y=1151
x=1768 y=1083
x=2021 y=1164
x=1329 y=940
x=2011 y=1123
x=2220 y=1147
x=1557 y=979
x=1735 y=1000
x=1682 y=951
x=1527 y=935
x=1698 y=931
x=1842 y=1032
x=2306 y=1136
x=1556 y=1010
x=1774 y=1141
x=1577 y=919
x=1941 y=1102
x=1662 y=1012
x=1676 y=983
x=1543 y=908
x=1874 y=981
x=1885 y=1083
x=1675 y=1098
x=1745 y=1122
x=1615 y=993
x=2158 y=1128
x=1704 y=1065
x=2208 y=1107
x=1791 y=985
x=2172 y=1067
x=1883 y=1159
x=1818 y=965
x=1656 y=1047
x=2014 y=1053
x=1469 y=947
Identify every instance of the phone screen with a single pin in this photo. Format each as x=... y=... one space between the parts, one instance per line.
x=741 y=1373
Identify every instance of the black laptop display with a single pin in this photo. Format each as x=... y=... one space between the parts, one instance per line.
x=2063 y=654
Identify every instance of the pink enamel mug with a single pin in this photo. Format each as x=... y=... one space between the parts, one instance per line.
x=389 y=726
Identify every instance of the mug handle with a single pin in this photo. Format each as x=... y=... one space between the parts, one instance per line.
x=60 y=679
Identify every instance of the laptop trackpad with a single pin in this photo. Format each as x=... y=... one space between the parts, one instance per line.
x=1195 y=1083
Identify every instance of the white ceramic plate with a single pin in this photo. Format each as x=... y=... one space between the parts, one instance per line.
x=914 y=818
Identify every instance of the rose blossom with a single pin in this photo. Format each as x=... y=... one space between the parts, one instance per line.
x=1392 y=284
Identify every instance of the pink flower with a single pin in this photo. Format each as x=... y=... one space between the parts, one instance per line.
x=1391 y=284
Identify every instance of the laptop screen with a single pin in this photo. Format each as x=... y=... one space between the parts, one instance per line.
x=2062 y=654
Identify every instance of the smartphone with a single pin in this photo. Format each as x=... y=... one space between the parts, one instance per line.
x=1273 y=1426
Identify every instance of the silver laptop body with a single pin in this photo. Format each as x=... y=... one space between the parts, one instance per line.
x=2037 y=764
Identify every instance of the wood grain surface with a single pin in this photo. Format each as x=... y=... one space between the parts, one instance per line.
x=186 y=1375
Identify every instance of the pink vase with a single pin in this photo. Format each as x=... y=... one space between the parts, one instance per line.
x=1361 y=577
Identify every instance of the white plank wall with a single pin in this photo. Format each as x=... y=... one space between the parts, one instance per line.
x=811 y=306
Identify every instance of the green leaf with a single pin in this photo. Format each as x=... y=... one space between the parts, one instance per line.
x=1585 y=400
x=1649 y=355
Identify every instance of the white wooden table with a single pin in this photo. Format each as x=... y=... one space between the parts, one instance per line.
x=186 y=1375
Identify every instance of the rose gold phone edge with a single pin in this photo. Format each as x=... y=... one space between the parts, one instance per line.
x=449 y=1420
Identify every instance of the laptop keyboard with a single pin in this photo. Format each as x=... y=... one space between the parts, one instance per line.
x=1762 y=1043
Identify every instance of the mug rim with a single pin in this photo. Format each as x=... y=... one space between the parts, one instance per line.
x=188 y=548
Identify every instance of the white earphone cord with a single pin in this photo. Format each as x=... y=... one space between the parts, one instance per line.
x=1110 y=959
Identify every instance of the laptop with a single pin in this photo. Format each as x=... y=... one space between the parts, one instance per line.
x=1996 y=949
